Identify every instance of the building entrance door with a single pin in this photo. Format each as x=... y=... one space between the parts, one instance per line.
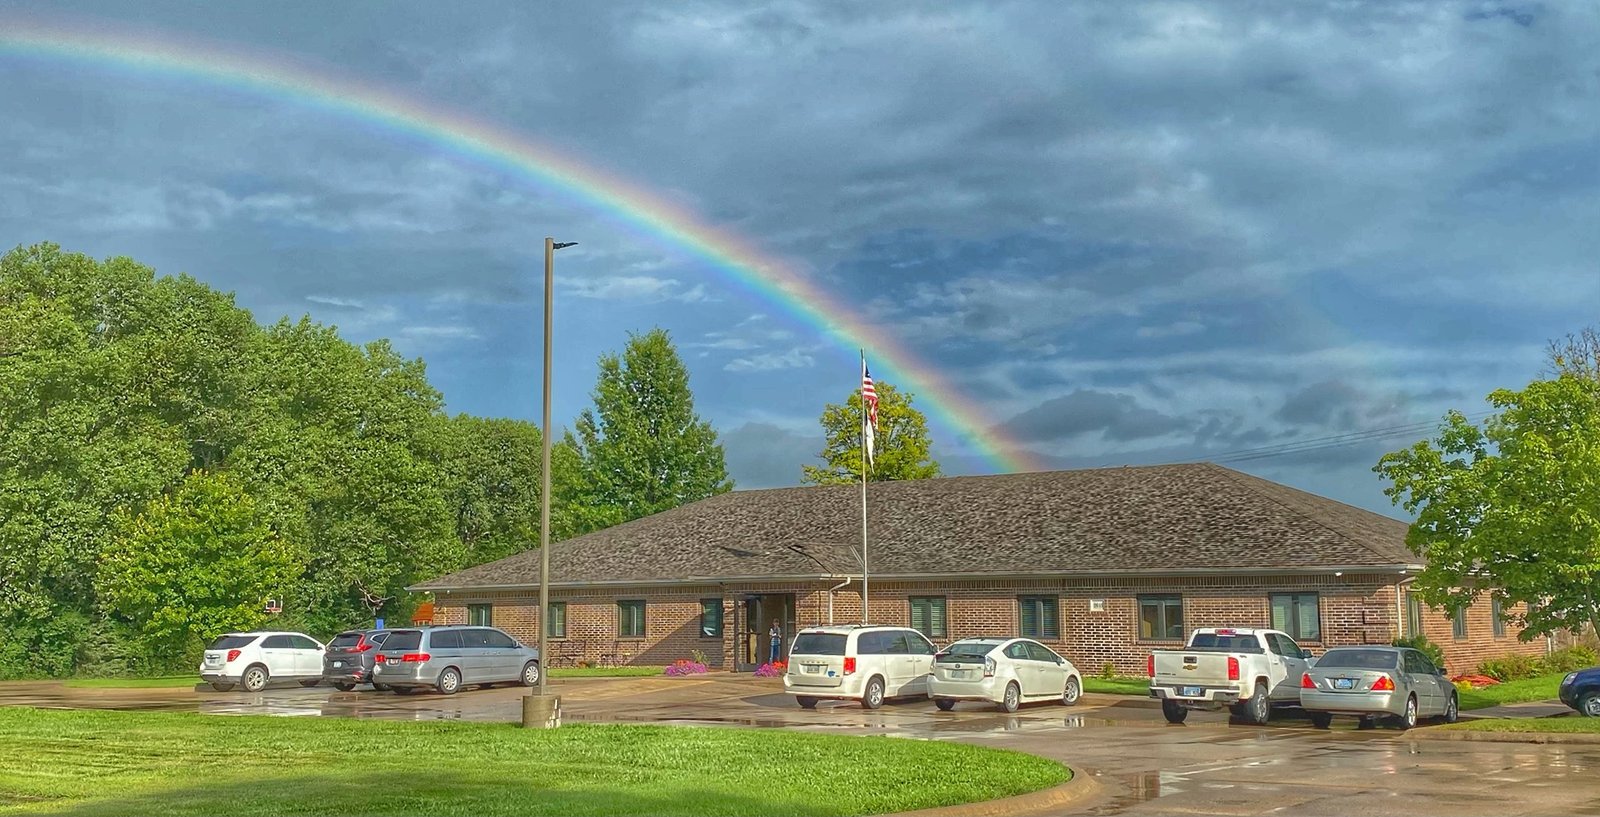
x=753 y=640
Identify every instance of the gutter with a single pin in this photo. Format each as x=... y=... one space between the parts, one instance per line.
x=830 y=597
x=1035 y=574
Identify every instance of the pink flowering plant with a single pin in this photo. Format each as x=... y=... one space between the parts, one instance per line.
x=684 y=666
x=774 y=669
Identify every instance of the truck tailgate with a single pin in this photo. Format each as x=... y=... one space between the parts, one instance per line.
x=1181 y=668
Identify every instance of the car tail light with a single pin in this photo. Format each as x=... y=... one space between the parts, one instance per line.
x=233 y=655
x=378 y=659
x=415 y=657
x=988 y=667
x=1233 y=668
x=363 y=645
x=1227 y=631
x=1306 y=682
x=849 y=665
x=1383 y=684
x=1150 y=666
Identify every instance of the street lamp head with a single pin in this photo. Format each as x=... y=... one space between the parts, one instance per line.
x=560 y=245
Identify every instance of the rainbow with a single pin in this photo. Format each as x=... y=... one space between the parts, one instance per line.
x=733 y=256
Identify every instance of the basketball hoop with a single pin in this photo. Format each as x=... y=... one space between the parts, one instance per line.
x=274 y=606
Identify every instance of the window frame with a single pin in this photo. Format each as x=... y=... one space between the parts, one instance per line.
x=1046 y=629
x=706 y=605
x=1497 y=617
x=1164 y=600
x=1291 y=616
x=551 y=619
x=623 y=605
x=1414 y=625
x=1458 y=623
x=942 y=631
x=487 y=609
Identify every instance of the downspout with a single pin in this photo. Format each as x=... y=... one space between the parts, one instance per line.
x=1400 y=608
x=830 y=597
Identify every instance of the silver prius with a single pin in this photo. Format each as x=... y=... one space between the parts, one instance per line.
x=1397 y=683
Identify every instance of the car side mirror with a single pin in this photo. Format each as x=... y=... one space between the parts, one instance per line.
x=1306 y=654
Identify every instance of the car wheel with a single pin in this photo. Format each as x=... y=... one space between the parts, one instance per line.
x=1589 y=705
x=310 y=682
x=255 y=678
x=1174 y=712
x=944 y=704
x=1452 y=710
x=1012 y=699
x=1409 y=719
x=381 y=687
x=221 y=687
x=530 y=674
x=1322 y=720
x=1260 y=707
x=1070 y=695
x=343 y=687
x=449 y=681
x=806 y=701
x=872 y=698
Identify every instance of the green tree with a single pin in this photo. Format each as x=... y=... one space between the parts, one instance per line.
x=643 y=448
x=194 y=563
x=1512 y=507
x=491 y=478
x=900 y=443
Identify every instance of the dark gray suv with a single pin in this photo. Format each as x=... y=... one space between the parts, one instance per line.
x=451 y=657
x=349 y=659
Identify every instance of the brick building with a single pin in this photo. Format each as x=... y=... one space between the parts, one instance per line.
x=1103 y=565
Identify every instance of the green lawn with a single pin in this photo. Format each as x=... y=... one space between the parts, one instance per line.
x=98 y=762
x=1116 y=686
x=1542 y=688
x=1571 y=724
x=170 y=681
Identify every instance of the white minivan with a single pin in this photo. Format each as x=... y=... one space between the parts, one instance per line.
x=855 y=662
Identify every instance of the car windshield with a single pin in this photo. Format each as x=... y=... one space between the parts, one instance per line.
x=233 y=642
x=1232 y=643
x=345 y=640
x=965 y=651
x=403 y=640
x=819 y=644
x=1358 y=659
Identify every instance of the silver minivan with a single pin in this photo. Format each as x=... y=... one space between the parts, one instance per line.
x=451 y=657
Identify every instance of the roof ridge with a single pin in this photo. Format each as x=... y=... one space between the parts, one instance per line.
x=1233 y=476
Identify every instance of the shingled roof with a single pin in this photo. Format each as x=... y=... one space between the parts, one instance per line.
x=1170 y=518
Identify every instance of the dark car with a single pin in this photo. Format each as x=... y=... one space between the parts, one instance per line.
x=1581 y=691
x=348 y=660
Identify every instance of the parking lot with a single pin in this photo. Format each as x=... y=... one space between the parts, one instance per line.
x=1137 y=762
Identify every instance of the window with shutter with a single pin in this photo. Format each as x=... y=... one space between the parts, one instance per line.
x=927 y=615
x=1038 y=617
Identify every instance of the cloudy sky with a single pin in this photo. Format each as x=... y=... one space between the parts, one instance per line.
x=1130 y=232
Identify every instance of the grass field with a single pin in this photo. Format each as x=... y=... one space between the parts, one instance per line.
x=1116 y=686
x=96 y=762
x=1542 y=688
x=1569 y=724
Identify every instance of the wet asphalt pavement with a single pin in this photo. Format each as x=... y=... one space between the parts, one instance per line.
x=1141 y=764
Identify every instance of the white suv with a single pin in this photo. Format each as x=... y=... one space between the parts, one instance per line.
x=854 y=662
x=251 y=660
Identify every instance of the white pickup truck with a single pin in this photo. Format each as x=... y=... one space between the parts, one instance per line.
x=1248 y=671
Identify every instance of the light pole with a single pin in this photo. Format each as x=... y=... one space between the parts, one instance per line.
x=543 y=710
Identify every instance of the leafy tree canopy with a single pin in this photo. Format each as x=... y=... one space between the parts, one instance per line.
x=900 y=445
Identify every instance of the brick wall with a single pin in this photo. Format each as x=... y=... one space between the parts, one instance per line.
x=1463 y=655
x=1353 y=609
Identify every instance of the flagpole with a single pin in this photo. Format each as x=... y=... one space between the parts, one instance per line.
x=863 y=491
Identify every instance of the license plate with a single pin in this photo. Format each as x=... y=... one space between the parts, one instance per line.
x=1344 y=683
x=338 y=664
x=959 y=674
x=812 y=669
x=1191 y=692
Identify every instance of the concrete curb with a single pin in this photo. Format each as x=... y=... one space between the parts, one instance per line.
x=1054 y=800
x=1577 y=738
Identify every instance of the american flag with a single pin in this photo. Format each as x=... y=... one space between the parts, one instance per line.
x=869 y=398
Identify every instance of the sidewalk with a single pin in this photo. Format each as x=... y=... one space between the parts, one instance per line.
x=1529 y=709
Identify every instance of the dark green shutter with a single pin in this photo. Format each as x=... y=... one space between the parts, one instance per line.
x=936 y=618
x=919 y=615
x=1052 y=619
x=1030 y=617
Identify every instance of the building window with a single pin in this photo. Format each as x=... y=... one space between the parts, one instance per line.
x=556 y=624
x=1498 y=614
x=927 y=615
x=1039 y=616
x=1161 y=618
x=1458 y=622
x=1413 y=615
x=1298 y=615
x=630 y=618
x=711 y=618
x=480 y=615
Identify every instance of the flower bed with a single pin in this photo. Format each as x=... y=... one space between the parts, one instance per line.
x=774 y=669
x=684 y=666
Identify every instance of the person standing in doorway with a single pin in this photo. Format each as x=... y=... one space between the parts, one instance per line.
x=777 y=641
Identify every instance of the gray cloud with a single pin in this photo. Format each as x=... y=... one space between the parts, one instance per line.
x=763 y=455
x=1118 y=417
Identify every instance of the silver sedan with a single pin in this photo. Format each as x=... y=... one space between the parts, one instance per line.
x=1396 y=683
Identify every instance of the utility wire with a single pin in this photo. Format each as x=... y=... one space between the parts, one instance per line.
x=1332 y=441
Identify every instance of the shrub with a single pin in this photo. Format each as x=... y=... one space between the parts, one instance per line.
x=697 y=656
x=1510 y=667
x=684 y=666
x=1569 y=659
x=1463 y=686
x=1109 y=671
x=1421 y=643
